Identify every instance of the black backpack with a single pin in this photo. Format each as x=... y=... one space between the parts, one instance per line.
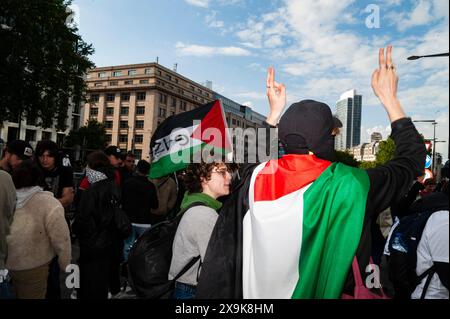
x=403 y=246
x=150 y=257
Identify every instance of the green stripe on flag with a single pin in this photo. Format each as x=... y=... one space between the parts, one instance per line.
x=179 y=161
x=333 y=215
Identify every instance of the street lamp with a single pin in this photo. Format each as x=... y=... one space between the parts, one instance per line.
x=434 y=123
x=416 y=57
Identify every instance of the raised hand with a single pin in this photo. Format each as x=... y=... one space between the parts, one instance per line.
x=385 y=83
x=277 y=97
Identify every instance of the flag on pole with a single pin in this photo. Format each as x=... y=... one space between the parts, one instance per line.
x=180 y=139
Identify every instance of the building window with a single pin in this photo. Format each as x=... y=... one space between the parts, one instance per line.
x=94 y=98
x=139 y=125
x=102 y=74
x=108 y=138
x=140 y=110
x=109 y=111
x=141 y=96
x=176 y=81
x=110 y=97
x=159 y=72
x=123 y=124
x=168 y=77
x=162 y=112
x=93 y=111
x=30 y=135
x=149 y=71
x=108 y=124
x=162 y=98
x=183 y=105
x=138 y=154
x=97 y=84
x=113 y=83
x=172 y=113
x=174 y=102
x=124 y=110
x=233 y=121
x=46 y=136
x=132 y=72
x=123 y=138
x=143 y=82
x=128 y=82
x=138 y=139
x=117 y=73
x=125 y=96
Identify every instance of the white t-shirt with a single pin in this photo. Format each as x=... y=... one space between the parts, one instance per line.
x=433 y=247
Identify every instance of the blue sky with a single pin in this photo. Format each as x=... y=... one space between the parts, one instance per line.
x=319 y=48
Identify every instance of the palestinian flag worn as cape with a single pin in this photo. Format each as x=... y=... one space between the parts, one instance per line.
x=302 y=228
x=179 y=137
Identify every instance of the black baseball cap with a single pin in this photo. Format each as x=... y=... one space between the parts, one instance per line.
x=113 y=150
x=337 y=122
x=20 y=148
x=307 y=127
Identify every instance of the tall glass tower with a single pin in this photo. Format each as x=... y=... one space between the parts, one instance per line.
x=348 y=110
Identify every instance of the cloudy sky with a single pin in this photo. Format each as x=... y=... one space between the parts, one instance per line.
x=319 y=48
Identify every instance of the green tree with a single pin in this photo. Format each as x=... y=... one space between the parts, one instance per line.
x=346 y=158
x=367 y=165
x=42 y=61
x=386 y=151
x=89 y=137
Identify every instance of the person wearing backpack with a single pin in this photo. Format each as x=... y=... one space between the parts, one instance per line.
x=205 y=183
x=417 y=250
x=101 y=227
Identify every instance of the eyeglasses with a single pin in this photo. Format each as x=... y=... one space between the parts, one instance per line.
x=222 y=172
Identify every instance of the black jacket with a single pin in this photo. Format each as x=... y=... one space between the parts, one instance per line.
x=221 y=275
x=94 y=222
x=139 y=198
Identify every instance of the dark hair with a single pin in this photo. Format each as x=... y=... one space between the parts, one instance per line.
x=143 y=167
x=27 y=174
x=52 y=149
x=197 y=172
x=97 y=160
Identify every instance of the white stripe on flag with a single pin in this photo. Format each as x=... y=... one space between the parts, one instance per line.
x=272 y=238
x=177 y=140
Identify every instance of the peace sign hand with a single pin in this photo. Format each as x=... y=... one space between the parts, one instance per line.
x=276 y=93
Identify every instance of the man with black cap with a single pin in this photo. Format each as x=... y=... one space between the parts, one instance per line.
x=299 y=226
x=14 y=153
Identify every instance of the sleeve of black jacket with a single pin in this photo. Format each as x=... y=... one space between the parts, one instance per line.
x=388 y=183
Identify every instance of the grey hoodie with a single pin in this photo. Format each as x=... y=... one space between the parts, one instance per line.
x=7 y=205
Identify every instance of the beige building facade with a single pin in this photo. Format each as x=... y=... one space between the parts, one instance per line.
x=132 y=100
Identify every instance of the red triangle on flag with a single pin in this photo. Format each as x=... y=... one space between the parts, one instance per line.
x=214 y=119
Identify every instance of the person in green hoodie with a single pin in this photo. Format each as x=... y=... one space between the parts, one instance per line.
x=205 y=183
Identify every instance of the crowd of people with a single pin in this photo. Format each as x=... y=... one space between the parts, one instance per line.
x=300 y=226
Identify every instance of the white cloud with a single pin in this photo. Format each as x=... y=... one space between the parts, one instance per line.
x=251 y=95
x=199 y=50
x=212 y=21
x=198 y=3
x=248 y=103
x=424 y=12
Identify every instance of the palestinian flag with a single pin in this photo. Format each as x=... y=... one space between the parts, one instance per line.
x=179 y=140
x=303 y=227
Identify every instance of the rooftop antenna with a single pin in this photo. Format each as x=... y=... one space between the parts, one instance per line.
x=157 y=60
x=175 y=66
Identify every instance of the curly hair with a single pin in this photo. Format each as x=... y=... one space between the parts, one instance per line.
x=197 y=172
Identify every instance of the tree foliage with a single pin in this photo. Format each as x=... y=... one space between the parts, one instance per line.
x=386 y=151
x=90 y=137
x=42 y=61
x=346 y=158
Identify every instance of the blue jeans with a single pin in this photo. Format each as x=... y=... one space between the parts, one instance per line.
x=136 y=232
x=184 y=291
